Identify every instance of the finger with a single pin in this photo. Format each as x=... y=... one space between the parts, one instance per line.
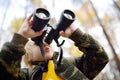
x=29 y=17
x=31 y=23
x=62 y=33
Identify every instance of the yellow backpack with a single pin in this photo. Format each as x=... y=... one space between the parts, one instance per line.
x=50 y=74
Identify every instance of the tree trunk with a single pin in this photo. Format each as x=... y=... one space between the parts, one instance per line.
x=116 y=4
x=4 y=14
x=107 y=37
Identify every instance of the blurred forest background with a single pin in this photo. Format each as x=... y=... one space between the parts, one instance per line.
x=100 y=18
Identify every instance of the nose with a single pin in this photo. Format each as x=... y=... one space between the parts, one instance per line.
x=45 y=44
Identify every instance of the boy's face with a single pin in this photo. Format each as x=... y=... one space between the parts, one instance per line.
x=34 y=52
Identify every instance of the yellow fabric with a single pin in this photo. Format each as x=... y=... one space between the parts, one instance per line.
x=50 y=74
x=74 y=51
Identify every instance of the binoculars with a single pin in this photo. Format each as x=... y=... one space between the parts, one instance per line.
x=41 y=18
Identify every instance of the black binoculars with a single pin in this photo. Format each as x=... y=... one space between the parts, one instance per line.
x=41 y=18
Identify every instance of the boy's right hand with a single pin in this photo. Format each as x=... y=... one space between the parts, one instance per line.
x=26 y=28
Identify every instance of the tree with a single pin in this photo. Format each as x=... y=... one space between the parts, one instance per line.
x=115 y=2
x=16 y=24
x=107 y=37
x=5 y=12
x=38 y=3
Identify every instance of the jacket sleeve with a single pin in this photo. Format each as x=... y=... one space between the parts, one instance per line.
x=94 y=57
x=10 y=58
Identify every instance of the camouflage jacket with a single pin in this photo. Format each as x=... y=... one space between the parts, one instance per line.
x=83 y=67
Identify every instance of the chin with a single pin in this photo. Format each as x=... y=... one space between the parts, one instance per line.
x=49 y=57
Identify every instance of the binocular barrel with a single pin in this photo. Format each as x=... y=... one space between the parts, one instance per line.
x=67 y=17
x=40 y=19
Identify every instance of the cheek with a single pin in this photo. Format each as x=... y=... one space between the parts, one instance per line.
x=49 y=55
x=36 y=53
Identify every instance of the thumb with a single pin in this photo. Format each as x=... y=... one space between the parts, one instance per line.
x=62 y=33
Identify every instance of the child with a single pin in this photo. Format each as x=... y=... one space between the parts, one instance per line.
x=82 y=67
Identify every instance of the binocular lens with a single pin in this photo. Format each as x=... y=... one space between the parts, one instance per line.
x=68 y=16
x=41 y=15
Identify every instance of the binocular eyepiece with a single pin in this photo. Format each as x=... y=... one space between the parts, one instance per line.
x=41 y=18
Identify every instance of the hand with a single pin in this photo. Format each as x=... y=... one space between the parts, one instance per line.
x=26 y=29
x=69 y=30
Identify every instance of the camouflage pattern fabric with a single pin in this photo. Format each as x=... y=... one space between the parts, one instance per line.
x=94 y=58
x=67 y=70
x=85 y=67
